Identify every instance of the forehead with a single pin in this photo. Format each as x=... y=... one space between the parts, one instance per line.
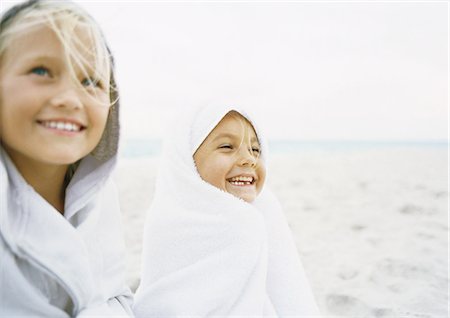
x=236 y=125
x=41 y=41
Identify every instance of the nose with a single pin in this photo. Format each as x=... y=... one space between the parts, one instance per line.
x=247 y=158
x=68 y=97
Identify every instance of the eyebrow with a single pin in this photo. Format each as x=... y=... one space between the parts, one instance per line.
x=44 y=58
x=233 y=136
x=41 y=58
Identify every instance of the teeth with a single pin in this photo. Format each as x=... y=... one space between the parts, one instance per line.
x=243 y=179
x=240 y=183
x=61 y=125
x=240 y=180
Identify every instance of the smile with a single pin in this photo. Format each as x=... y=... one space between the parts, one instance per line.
x=241 y=181
x=62 y=125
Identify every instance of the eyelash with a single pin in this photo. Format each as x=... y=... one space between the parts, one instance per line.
x=227 y=146
x=36 y=71
x=92 y=81
x=44 y=71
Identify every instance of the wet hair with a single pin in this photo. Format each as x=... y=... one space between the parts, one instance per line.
x=70 y=22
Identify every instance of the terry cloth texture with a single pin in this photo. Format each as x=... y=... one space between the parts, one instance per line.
x=69 y=265
x=208 y=253
x=109 y=143
x=62 y=266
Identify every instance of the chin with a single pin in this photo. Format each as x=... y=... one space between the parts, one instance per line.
x=247 y=196
x=248 y=199
x=66 y=159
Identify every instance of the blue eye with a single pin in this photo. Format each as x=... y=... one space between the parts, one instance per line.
x=40 y=71
x=91 y=82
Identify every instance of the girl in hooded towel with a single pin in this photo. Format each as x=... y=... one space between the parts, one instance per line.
x=61 y=245
x=216 y=243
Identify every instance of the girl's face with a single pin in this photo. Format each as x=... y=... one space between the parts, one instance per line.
x=44 y=116
x=229 y=158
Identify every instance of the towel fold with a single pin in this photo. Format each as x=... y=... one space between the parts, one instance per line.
x=208 y=253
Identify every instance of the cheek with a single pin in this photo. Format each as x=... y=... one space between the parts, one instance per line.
x=18 y=106
x=213 y=170
x=261 y=171
x=98 y=119
x=14 y=119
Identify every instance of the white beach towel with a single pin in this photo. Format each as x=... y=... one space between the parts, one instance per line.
x=210 y=254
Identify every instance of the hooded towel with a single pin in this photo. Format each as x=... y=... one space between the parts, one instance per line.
x=208 y=253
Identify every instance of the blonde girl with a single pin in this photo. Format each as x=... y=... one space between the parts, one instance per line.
x=60 y=234
x=216 y=241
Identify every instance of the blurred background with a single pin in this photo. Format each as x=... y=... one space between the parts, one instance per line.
x=328 y=71
x=353 y=96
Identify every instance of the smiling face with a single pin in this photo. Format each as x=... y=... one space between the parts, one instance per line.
x=229 y=158
x=45 y=116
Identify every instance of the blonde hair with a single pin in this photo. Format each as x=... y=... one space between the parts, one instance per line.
x=66 y=20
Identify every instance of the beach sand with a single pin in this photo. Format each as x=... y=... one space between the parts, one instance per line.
x=371 y=226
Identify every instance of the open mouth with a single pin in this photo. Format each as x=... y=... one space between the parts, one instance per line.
x=62 y=125
x=242 y=181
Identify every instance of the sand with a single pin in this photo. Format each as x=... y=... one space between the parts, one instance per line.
x=371 y=226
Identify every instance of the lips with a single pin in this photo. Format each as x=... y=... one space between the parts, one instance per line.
x=62 y=125
x=242 y=180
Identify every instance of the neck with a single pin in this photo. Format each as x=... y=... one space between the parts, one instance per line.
x=46 y=179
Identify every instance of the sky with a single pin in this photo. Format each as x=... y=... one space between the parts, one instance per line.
x=312 y=70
